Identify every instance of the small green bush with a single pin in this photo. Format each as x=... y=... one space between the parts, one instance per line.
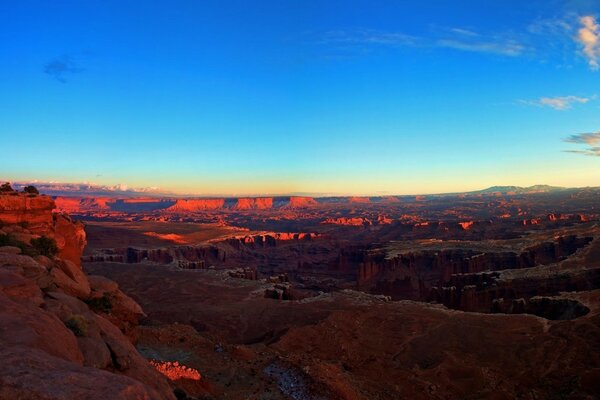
x=77 y=324
x=9 y=240
x=100 y=304
x=5 y=187
x=45 y=246
x=31 y=190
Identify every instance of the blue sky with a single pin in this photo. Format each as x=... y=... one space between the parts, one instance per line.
x=274 y=97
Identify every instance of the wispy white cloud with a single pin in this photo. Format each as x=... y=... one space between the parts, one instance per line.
x=454 y=38
x=502 y=47
x=589 y=38
x=590 y=140
x=367 y=36
x=552 y=26
x=560 y=103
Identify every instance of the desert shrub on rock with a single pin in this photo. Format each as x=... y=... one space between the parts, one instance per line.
x=9 y=240
x=77 y=324
x=6 y=188
x=31 y=190
x=101 y=304
x=45 y=246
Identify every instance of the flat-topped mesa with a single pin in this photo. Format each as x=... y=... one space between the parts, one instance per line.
x=257 y=203
x=359 y=200
x=242 y=203
x=192 y=205
x=76 y=204
x=302 y=202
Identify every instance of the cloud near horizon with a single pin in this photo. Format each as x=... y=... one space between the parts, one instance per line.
x=590 y=140
x=560 y=103
x=589 y=37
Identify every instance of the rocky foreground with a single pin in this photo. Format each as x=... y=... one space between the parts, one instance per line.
x=63 y=334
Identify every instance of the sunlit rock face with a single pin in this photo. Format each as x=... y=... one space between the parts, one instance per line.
x=197 y=205
x=21 y=208
x=63 y=336
x=175 y=371
x=260 y=203
x=301 y=202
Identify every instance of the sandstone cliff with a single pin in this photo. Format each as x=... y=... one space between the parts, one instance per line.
x=64 y=335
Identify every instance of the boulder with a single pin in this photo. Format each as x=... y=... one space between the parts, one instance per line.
x=36 y=375
x=25 y=266
x=23 y=324
x=100 y=283
x=10 y=250
x=17 y=287
x=80 y=289
x=127 y=360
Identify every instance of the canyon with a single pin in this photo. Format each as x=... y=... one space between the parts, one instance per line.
x=489 y=294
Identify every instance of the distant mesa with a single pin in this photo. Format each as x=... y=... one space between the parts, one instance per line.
x=191 y=205
x=260 y=203
x=302 y=202
x=362 y=200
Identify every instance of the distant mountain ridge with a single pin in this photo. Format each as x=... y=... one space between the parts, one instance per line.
x=519 y=189
x=123 y=192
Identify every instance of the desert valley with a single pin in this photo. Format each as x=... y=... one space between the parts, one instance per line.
x=489 y=294
x=300 y=200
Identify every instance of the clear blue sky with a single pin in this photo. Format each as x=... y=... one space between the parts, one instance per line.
x=265 y=97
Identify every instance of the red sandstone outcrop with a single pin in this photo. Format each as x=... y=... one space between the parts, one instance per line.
x=194 y=205
x=77 y=204
x=21 y=208
x=174 y=371
x=302 y=202
x=359 y=200
x=259 y=203
x=55 y=341
x=352 y=221
x=466 y=225
x=70 y=238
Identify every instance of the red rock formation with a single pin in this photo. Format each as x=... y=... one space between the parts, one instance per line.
x=302 y=202
x=49 y=333
x=259 y=203
x=70 y=238
x=175 y=371
x=354 y=221
x=359 y=200
x=466 y=225
x=383 y=220
x=21 y=208
x=79 y=204
x=194 y=205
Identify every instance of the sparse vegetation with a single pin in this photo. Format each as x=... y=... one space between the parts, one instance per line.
x=45 y=246
x=5 y=188
x=77 y=324
x=101 y=304
x=31 y=190
x=9 y=240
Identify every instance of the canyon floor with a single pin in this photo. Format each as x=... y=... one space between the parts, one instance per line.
x=482 y=296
